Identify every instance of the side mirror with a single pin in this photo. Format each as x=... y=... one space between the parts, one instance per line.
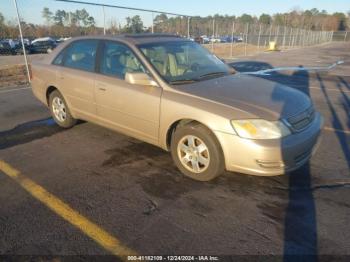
x=140 y=79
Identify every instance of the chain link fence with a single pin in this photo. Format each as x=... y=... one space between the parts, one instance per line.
x=341 y=36
x=248 y=39
x=227 y=39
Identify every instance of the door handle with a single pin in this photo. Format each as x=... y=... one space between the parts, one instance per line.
x=102 y=89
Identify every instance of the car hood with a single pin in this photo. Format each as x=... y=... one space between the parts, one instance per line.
x=257 y=96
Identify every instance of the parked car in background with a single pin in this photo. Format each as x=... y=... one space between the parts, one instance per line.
x=5 y=48
x=206 y=39
x=25 y=40
x=238 y=39
x=11 y=42
x=199 y=40
x=215 y=39
x=42 y=45
x=173 y=93
x=18 y=50
x=225 y=39
x=62 y=39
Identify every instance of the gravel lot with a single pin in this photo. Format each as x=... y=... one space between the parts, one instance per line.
x=133 y=191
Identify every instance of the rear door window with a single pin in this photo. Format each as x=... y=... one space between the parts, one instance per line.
x=81 y=55
x=59 y=59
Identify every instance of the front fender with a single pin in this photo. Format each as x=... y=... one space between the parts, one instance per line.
x=176 y=106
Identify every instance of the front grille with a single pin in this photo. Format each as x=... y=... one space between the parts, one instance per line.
x=302 y=120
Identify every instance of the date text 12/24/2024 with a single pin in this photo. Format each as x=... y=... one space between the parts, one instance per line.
x=173 y=258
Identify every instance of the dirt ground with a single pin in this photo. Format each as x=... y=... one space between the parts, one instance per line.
x=135 y=197
x=6 y=60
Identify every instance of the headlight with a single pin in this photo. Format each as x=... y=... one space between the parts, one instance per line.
x=260 y=129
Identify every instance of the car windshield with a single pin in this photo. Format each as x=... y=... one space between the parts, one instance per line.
x=181 y=62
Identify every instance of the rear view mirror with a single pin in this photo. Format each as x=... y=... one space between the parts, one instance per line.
x=140 y=79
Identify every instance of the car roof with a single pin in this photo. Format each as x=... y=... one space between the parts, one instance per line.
x=43 y=39
x=129 y=39
x=136 y=39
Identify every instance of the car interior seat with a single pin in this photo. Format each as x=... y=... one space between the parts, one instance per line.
x=173 y=68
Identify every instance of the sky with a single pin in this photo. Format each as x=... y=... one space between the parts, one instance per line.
x=30 y=10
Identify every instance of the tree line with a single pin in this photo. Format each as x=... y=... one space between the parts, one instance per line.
x=310 y=20
x=61 y=23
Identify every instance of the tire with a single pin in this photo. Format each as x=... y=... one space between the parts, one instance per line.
x=60 y=111
x=214 y=164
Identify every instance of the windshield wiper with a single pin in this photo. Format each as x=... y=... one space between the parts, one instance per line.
x=212 y=74
x=201 y=77
x=182 y=81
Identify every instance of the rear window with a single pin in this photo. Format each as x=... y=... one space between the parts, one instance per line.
x=40 y=43
x=81 y=55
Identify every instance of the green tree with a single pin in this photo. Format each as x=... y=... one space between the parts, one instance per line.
x=134 y=24
x=3 y=28
x=60 y=17
x=246 y=19
x=47 y=15
x=314 y=11
x=265 y=19
x=341 y=21
x=279 y=19
x=2 y=19
x=82 y=17
x=161 y=22
x=90 y=22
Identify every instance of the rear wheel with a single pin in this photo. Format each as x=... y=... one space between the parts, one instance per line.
x=59 y=110
x=196 y=152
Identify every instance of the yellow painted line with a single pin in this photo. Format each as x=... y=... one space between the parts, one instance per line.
x=336 y=130
x=100 y=236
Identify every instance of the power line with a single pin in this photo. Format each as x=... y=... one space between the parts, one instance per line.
x=122 y=7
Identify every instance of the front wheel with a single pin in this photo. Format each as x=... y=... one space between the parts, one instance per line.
x=59 y=110
x=197 y=153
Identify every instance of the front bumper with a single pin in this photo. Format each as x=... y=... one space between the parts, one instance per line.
x=270 y=157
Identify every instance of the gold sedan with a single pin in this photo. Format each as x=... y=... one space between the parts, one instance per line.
x=173 y=93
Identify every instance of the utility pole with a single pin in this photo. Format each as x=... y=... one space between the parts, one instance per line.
x=284 y=37
x=233 y=30
x=104 y=20
x=188 y=27
x=152 y=23
x=20 y=32
x=213 y=36
x=259 y=37
x=246 y=39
